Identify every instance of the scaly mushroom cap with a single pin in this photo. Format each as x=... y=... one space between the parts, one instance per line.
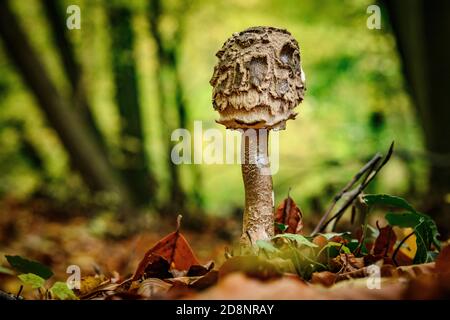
x=259 y=80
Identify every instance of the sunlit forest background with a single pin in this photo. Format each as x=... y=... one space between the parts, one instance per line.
x=86 y=115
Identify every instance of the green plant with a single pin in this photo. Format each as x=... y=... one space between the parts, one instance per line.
x=36 y=275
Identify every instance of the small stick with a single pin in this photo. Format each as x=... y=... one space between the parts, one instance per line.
x=344 y=191
x=18 y=293
x=371 y=170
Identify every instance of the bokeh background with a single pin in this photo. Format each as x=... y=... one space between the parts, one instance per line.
x=86 y=115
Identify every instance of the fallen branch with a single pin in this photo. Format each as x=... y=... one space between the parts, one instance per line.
x=368 y=172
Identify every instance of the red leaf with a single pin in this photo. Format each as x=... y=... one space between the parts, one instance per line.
x=174 y=248
x=384 y=244
x=290 y=215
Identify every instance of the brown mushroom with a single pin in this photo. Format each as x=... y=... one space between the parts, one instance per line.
x=257 y=83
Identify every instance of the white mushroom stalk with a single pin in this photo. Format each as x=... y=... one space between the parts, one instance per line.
x=257 y=82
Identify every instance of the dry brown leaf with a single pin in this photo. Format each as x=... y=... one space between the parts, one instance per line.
x=325 y=278
x=346 y=263
x=153 y=288
x=443 y=260
x=433 y=284
x=198 y=282
x=90 y=283
x=290 y=215
x=173 y=248
x=384 y=244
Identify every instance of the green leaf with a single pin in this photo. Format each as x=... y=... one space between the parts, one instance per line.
x=424 y=227
x=282 y=265
x=61 y=291
x=339 y=246
x=403 y=220
x=387 y=200
x=425 y=230
x=267 y=246
x=299 y=239
x=32 y=280
x=5 y=270
x=28 y=266
x=281 y=226
x=353 y=245
x=330 y=235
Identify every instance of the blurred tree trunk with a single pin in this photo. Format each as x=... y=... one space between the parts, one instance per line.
x=57 y=19
x=76 y=137
x=168 y=70
x=164 y=66
x=134 y=163
x=422 y=30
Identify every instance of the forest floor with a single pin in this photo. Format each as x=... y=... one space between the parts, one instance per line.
x=97 y=245
x=118 y=266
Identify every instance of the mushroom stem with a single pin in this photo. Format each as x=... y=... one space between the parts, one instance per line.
x=258 y=222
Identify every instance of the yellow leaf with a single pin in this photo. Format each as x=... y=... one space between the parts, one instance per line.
x=409 y=247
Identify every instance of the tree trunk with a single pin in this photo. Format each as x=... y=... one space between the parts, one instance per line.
x=76 y=137
x=422 y=29
x=56 y=18
x=135 y=167
x=177 y=199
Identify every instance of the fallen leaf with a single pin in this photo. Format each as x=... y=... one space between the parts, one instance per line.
x=344 y=263
x=409 y=247
x=174 y=248
x=200 y=270
x=432 y=283
x=123 y=295
x=197 y=283
x=90 y=283
x=106 y=289
x=289 y=215
x=157 y=267
x=384 y=244
x=325 y=278
x=153 y=288
x=443 y=260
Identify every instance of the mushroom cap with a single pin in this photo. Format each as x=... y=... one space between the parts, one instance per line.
x=258 y=80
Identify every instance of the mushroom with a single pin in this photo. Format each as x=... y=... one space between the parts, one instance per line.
x=257 y=83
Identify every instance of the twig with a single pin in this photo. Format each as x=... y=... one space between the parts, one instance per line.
x=370 y=170
x=352 y=195
x=345 y=191
x=20 y=291
x=336 y=198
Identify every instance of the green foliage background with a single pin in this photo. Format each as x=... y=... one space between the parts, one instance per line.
x=355 y=102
